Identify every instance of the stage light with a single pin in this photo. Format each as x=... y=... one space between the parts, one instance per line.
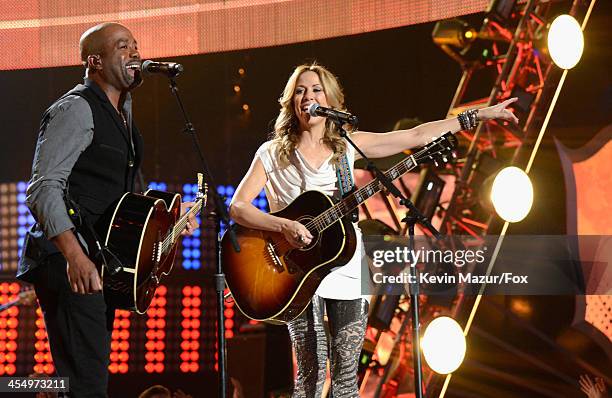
x=565 y=41
x=443 y=345
x=512 y=194
x=453 y=32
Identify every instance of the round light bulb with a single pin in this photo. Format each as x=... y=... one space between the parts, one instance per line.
x=512 y=194
x=443 y=345
x=565 y=41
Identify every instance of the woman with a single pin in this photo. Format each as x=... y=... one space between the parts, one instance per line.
x=303 y=156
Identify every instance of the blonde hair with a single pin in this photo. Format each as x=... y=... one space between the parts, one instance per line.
x=286 y=128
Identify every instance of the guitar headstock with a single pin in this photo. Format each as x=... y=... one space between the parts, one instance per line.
x=202 y=190
x=438 y=151
x=26 y=297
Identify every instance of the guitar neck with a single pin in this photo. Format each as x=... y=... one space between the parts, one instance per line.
x=182 y=222
x=345 y=206
x=8 y=305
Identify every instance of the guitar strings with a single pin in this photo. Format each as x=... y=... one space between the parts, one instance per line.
x=333 y=213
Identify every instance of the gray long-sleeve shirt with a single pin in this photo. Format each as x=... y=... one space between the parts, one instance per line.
x=68 y=132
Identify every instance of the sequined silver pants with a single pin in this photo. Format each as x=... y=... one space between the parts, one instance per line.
x=347 y=321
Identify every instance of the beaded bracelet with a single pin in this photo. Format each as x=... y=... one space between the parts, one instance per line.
x=468 y=119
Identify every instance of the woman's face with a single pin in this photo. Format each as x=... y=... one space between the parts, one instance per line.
x=308 y=91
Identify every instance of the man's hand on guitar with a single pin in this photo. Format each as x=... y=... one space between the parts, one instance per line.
x=192 y=223
x=83 y=275
x=296 y=234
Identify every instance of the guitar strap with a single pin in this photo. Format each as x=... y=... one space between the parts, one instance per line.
x=346 y=184
x=98 y=253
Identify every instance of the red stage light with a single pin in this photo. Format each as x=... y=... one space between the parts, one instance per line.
x=160 y=323
x=187 y=302
x=185 y=334
x=184 y=356
x=124 y=345
x=123 y=368
x=149 y=368
x=195 y=312
x=184 y=367
x=124 y=334
x=161 y=290
x=160 y=345
x=152 y=312
x=125 y=323
x=114 y=356
x=186 y=313
x=11 y=357
x=194 y=356
x=11 y=334
x=196 y=291
x=14 y=288
x=196 y=302
x=185 y=345
x=151 y=323
x=160 y=334
x=124 y=356
x=159 y=367
x=229 y=334
x=2 y=357
x=195 y=334
x=112 y=368
x=161 y=312
x=229 y=323
x=12 y=346
x=159 y=356
x=114 y=345
x=3 y=323
x=10 y=369
x=193 y=367
x=150 y=356
x=229 y=313
x=194 y=345
x=195 y=323
x=187 y=291
x=13 y=311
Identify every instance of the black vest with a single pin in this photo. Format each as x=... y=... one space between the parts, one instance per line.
x=108 y=167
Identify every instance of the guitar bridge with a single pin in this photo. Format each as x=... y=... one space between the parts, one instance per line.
x=271 y=254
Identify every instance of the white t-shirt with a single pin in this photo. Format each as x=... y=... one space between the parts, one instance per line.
x=285 y=183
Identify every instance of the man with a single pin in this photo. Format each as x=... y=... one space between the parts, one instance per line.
x=89 y=151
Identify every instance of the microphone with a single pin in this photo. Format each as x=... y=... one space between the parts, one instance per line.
x=339 y=116
x=170 y=69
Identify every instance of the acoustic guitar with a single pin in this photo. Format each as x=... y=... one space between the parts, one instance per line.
x=142 y=236
x=26 y=297
x=273 y=282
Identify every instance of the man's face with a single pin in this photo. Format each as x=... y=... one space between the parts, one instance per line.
x=120 y=58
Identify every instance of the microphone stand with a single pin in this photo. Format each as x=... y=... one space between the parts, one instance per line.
x=412 y=217
x=219 y=214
